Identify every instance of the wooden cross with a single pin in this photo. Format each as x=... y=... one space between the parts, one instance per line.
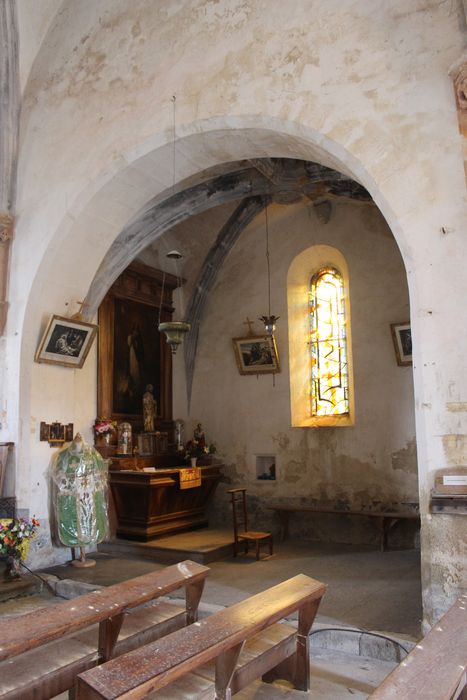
x=249 y=324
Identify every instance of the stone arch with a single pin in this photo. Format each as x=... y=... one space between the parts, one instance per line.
x=77 y=251
x=73 y=263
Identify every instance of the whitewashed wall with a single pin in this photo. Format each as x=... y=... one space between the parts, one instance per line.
x=373 y=461
x=363 y=86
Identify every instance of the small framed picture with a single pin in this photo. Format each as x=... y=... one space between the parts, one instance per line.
x=402 y=338
x=66 y=342
x=256 y=355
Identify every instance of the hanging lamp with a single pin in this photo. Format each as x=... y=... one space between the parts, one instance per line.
x=174 y=330
x=269 y=320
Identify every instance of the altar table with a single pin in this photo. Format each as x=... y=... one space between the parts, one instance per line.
x=151 y=503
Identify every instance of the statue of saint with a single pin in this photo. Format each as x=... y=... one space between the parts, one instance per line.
x=149 y=409
x=199 y=437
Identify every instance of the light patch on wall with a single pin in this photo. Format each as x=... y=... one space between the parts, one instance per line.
x=455 y=449
x=406 y=458
x=456 y=406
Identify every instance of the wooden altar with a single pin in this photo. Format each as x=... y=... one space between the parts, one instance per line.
x=146 y=484
x=151 y=503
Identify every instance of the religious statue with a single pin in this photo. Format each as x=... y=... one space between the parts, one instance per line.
x=125 y=439
x=199 y=437
x=179 y=426
x=149 y=409
x=80 y=477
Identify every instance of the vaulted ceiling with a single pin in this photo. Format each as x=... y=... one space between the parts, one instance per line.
x=253 y=184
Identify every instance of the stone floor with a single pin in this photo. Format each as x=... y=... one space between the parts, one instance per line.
x=367 y=590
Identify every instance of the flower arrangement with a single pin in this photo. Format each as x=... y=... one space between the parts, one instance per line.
x=195 y=448
x=15 y=536
x=104 y=426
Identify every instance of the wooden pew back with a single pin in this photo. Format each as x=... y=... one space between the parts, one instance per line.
x=36 y=628
x=436 y=668
x=42 y=652
x=220 y=636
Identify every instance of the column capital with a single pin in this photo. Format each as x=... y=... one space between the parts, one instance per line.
x=460 y=85
x=7 y=224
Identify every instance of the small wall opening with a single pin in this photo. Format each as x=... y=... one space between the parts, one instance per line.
x=266 y=467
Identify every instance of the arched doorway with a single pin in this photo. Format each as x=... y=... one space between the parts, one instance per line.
x=118 y=244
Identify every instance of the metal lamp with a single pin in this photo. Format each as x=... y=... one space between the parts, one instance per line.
x=269 y=320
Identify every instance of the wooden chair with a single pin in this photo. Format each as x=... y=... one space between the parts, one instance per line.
x=240 y=523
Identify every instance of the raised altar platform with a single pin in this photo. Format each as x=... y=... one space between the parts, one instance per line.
x=203 y=546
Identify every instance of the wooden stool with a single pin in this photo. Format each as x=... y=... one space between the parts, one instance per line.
x=240 y=523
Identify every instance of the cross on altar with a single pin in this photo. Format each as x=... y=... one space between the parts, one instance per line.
x=249 y=324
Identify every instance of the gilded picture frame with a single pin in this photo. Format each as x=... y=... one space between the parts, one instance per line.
x=402 y=339
x=256 y=355
x=66 y=342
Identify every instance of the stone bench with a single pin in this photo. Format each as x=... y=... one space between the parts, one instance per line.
x=221 y=654
x=42 y=652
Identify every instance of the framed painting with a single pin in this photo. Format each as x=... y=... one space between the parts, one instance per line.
x=137 y=351
x=256 y=355
x=402 y=338
x=66 y=342
x=132 y=352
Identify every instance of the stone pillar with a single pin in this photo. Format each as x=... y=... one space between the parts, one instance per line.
x=459 y=76
x=6 y=234
x=9 y=119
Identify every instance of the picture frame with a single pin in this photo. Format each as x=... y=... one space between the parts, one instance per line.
x=402 y=339
x=131 y=351
x=256 y=355
x=66 y=342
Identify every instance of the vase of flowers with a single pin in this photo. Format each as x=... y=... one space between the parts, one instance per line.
x=199 y=453
x=14 y=543
x=105 y=432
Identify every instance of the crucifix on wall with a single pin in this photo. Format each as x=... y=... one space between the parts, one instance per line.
x=249 y=324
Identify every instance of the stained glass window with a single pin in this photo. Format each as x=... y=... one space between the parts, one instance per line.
x=328 y=342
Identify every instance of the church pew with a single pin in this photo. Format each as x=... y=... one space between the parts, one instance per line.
x=436 y=668
x=384 y=520
x=42 y=652
x=219 y=655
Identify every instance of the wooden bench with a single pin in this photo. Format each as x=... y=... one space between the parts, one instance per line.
x=42 y=652
x=385 y=521
x=221 y=654
x=436 y=668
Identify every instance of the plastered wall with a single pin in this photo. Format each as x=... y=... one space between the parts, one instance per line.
x=361 y=86
x=369 y=464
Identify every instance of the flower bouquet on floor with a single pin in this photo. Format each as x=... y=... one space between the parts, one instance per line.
x=15 y=535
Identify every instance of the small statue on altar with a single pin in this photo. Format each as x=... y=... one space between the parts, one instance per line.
x=149 y=409
x=199 y=437
x=179 y=426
